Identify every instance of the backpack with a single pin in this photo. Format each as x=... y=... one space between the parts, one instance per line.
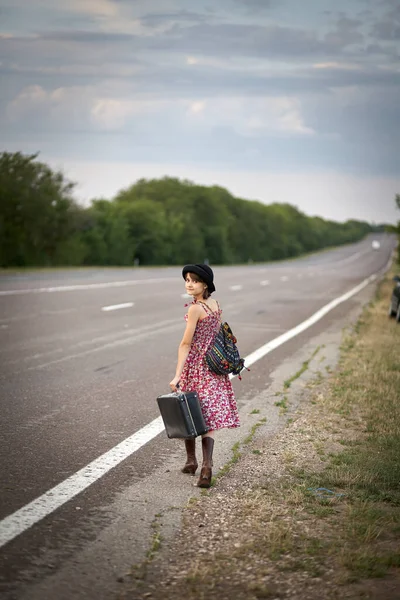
x=223 y=356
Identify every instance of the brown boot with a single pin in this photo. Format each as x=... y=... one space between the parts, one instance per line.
x=207 y=444
x=191 y=462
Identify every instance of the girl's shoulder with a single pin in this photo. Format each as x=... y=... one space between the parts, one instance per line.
x=195 y=310
x=217 y=305
x=194 y=307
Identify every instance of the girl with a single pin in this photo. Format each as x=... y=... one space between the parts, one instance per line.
x=192 y=374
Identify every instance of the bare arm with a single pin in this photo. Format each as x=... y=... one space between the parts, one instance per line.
x=184 y=347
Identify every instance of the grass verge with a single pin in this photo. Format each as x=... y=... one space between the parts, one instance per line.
x=304 y=367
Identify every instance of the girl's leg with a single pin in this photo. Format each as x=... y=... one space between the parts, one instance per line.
x=207 y=444
x=191 y=461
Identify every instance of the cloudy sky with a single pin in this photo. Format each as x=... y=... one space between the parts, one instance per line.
x=276 y=100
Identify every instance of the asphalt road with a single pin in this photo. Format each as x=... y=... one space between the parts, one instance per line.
x=79 y=374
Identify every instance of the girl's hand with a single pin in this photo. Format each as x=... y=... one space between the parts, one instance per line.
x=174 y=384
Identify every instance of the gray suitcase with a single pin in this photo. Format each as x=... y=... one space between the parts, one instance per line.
x=182 y=416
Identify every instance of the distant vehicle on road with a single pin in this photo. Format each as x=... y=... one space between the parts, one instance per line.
x=394 y=308
x=376 y=245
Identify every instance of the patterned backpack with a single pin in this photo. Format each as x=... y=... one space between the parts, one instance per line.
x=223 y=355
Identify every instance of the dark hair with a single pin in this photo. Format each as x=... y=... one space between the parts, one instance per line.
x=195 y=277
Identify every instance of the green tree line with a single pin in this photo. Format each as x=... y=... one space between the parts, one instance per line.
x=152 y=222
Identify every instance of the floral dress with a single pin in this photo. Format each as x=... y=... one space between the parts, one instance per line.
x=214 y=391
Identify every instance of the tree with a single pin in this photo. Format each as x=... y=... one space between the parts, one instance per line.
x=147 y=231
x=36 y=211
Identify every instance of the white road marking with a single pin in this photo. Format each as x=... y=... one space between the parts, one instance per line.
x=117 y=306
x=354 y=256
x=62 y=311
x=87 y=286
x=32 y=513
x=284 y=278
x=36 y=510
x=288 y=335
x=236 y=288
x=265 y=282
x=342 y=261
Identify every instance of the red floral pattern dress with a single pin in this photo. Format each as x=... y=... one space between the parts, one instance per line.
x=214 y=391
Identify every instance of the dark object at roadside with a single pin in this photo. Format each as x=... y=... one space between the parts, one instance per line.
x=394 y=308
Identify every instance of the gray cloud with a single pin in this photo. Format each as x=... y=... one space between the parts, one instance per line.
x=112 y=52
x=346 y=33
x=263 y=94
x=158 y=19
x=132 y=76
x=387 y=30
x=256 y=6
x=355 y=127
x=208 y=39
x=388 y=26
x=273 y=42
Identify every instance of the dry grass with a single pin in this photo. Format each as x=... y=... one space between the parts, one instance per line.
x=279 y=537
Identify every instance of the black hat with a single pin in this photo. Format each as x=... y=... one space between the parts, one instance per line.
x=204 y=272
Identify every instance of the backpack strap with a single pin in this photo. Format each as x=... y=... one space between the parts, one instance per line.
x=206 y=308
